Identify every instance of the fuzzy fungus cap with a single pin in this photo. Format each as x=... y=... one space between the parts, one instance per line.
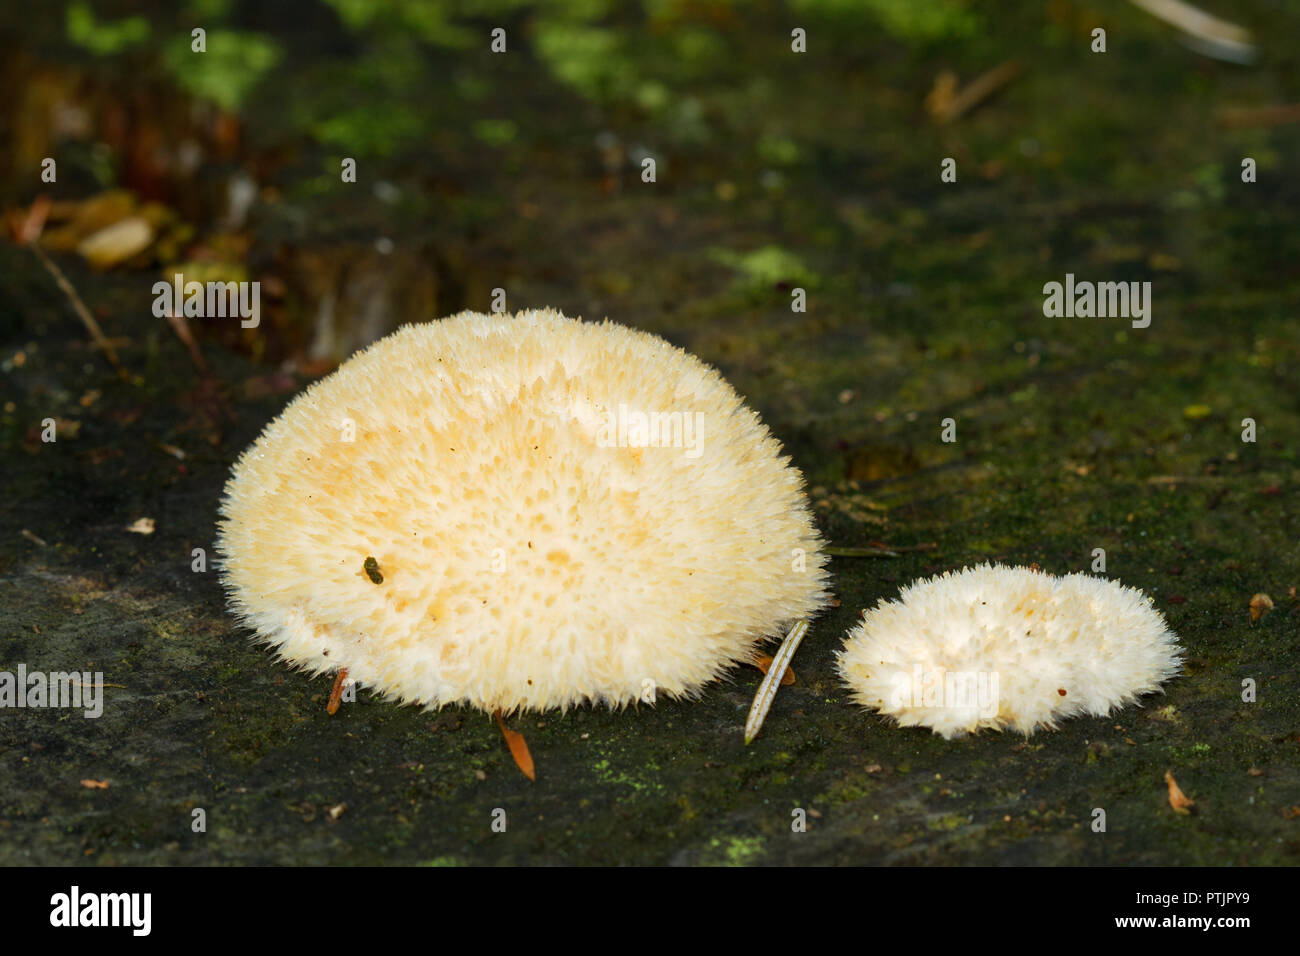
x=1007 y=647
x=557 y=512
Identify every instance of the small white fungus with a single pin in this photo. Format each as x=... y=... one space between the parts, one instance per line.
x=1007 y=648
x=519 y=512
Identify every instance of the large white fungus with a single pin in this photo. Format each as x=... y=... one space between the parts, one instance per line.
x=519 y=512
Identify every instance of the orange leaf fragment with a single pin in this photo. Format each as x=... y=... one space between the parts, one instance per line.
x=95 y=784
x=518 y=748
x=1177 y=799
x=1260 y=605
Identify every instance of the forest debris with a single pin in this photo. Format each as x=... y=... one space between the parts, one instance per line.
x=29 y=228
x=1247 y=117
x=79 y=307
x=772 y=679
x=764 y=662
x=273 y=383
x=1180 y=802
x=182 y=329
x=1260 y=605
x=66 y=427
x=117 y=243
x=1165 y=715
x=860 y=553
x=85 y=217
x=946 y=104
x=1202 y=32
x=166 y=449
x=336 y=692
x=95 y=784
x=141 y=526
x=1161 y=481
x=518 y=748
x=34 y=538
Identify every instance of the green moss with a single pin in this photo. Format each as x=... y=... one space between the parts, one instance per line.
x=231 y=66
x=104 y=37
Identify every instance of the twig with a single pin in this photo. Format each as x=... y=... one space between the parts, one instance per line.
x=892 y=551
x=83 y=313
x=1245 y=117
x=336 y=694
x=976 y=92
x=182 y=329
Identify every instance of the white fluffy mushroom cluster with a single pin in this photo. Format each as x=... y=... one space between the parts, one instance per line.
x=996 y=647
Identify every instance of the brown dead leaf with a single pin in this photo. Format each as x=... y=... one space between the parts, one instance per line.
x=82 y=218
x=95 y=784
x=1180 y=802
x=1260 y=605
